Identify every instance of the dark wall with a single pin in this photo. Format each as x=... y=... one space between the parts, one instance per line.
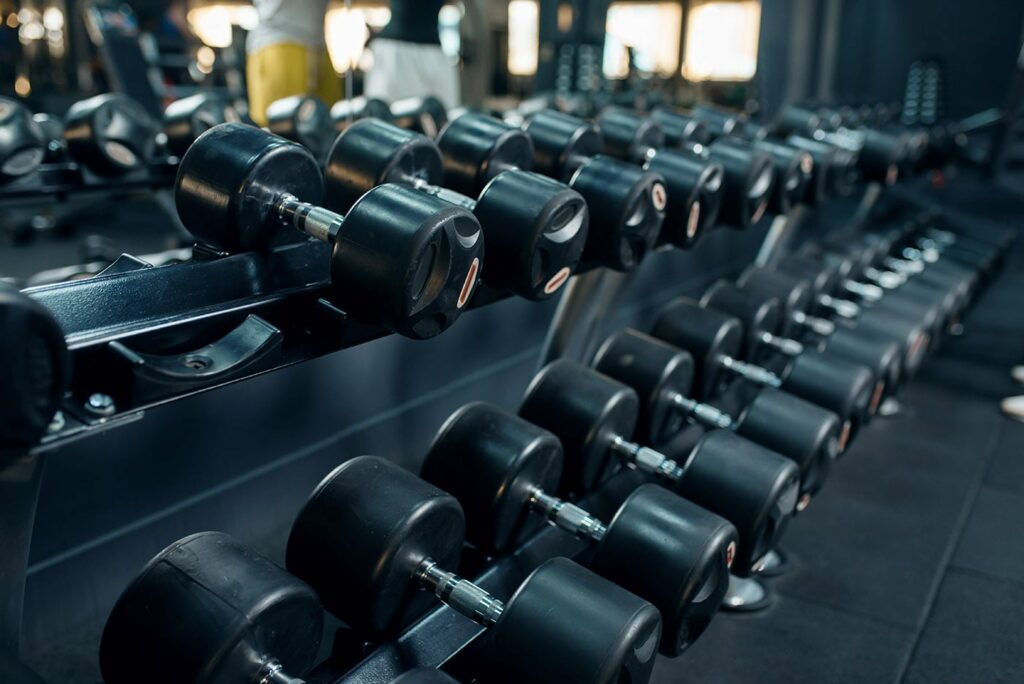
x=978 y=41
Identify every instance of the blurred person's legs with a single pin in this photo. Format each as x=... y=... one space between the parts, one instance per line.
x=402 y=69
x=285 y=69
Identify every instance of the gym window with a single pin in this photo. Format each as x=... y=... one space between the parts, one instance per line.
x=523 y=37
x=648 y=30
x=721 y=40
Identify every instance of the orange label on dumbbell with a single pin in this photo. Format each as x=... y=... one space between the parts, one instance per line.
x=467 y=285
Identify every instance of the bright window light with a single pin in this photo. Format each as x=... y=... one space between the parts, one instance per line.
x=212 y=23
x=721 y=41
x=650 y=29
x=523 y=37
x=448 y=20
x=346 y=35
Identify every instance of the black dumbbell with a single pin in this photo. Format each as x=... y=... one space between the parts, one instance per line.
x=662 y=377
x=535 y=228
x=595 y=418
x=694 y=185
x=373 y=537
x=401 y=258
x=426 y=115
x=34 y=372
x=879 y=154
x=880 y=352
x=346 y=112
x=794 y=168
x=715 y=339
x=189 y=117
x=22 y=141
x=791 y=283
x=208 y=609
x=626 y=203
x=304 y=119
x=854 y=394
x=747 y=153
x=110 y=134
x=659 y=546
x=680 y=129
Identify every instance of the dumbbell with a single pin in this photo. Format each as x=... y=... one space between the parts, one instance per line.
x=187 y=118
x=208 y=609
x=694 y=185
x=595 y=418
x=304 y=119
x=791 y=282
x=34 y=372
x=657 y=545
x=715 y=339
x=346 y=112
x=22 y=142
x=762 y=316
x=372 y=537
x=426 y=115
x=535 y=228
x=662 y=377
x=881 y=352
x=794 y=167
x=400 y=257
x=626 y=203
x=749 y=178
x=880 y=155
x=680 y=129
x=110 y=134
x=933 y=304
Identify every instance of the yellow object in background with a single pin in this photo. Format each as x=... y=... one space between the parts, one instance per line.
x=285 y=69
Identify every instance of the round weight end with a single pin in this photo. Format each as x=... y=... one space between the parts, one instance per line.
x=682 y=568
x=362 y=536
x=586 y=411
x=492 y=462
x=209 y=609
x=535 y=229
x=34 y=371
x=538 y=638
x=657 y=371
x=111 y=134
x=407 y=260
x=230 y=180
x=372 y=152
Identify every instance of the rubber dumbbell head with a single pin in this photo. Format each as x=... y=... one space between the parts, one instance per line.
x=708 y=335
x=426 y=115
x=111 y=134
x=189 y=117
x=346 y=112
x=22 y=141
x=207 y=609
x=34 y=371
x=657 y=545
x=304 y=119
x=749 y=180
x=680 y=128
x=400 y=257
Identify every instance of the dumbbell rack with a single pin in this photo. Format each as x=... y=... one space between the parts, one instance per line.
x=63 y=179
x=264 y=311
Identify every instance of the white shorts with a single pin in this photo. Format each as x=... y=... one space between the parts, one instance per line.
x=402 y=70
